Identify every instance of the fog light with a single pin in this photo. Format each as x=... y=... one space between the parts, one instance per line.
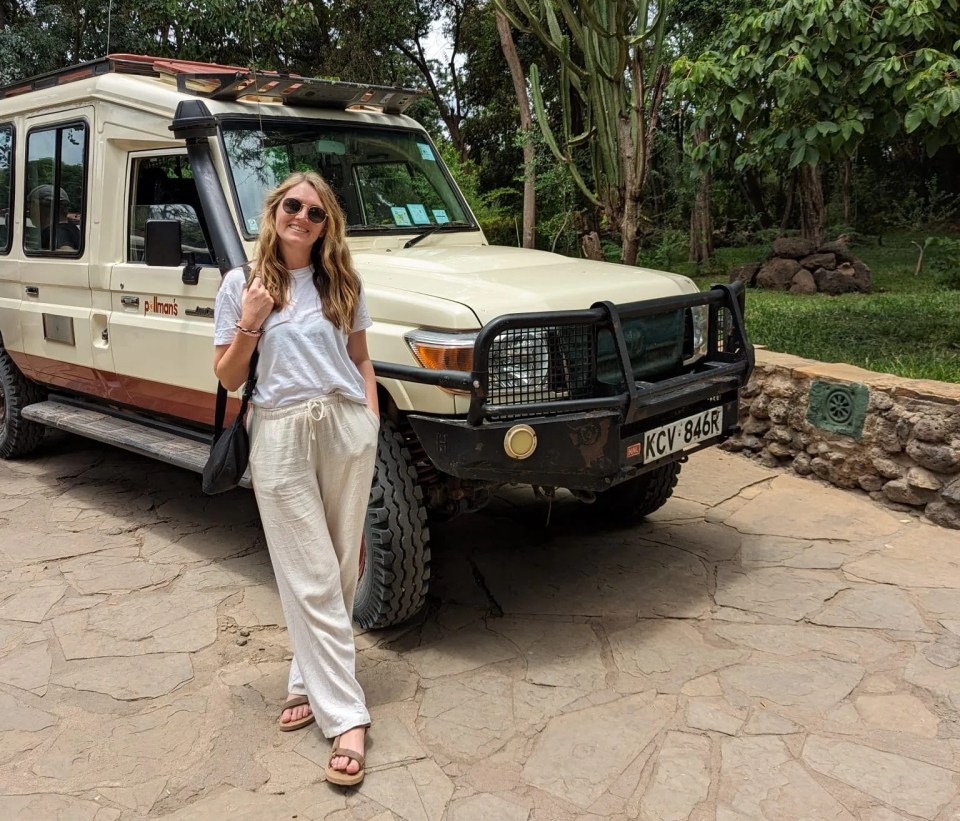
x=520 y=442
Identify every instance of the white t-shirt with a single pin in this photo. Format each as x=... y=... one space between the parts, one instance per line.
x=302 y=353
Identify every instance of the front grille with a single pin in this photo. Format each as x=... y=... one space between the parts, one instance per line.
x=542 y=364
x=579 y=361
x=608 y=355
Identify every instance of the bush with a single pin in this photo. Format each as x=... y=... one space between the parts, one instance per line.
x=500 y=229
x=671 y=246
x=494 y=216
x=945 y=264
x=918 y=210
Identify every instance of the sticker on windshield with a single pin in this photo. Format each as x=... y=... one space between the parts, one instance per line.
x=426 y=152
x=419 y=213
x=252 y=225
x=440 y=216
x=400 y=215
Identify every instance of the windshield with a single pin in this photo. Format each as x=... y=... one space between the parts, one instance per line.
x=385 y=179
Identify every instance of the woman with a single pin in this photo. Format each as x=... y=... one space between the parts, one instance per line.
x=313 y=426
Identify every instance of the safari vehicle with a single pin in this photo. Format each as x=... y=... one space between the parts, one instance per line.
x=131 y=184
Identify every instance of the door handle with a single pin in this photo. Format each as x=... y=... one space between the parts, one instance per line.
x=32 y=290
x=198 y=311
x=130 y=301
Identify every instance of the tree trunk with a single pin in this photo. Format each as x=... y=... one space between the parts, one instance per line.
x=526 y=129
x=630 y=230
x=452 y=119
x=753 y=190
x=846 y=185
x=701 y=226
x=788 y=207
x=590 y=245
x=625 y=203
x=812 y=212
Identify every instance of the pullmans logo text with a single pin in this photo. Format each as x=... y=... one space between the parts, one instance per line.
x=157 y=307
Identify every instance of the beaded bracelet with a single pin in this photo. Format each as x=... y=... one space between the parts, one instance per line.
x=247 y=331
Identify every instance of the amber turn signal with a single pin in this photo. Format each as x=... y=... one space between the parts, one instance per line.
x=442 y=350
x=438 y=358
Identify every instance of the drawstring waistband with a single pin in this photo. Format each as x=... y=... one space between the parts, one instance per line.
x=307 y=406
x=316 y=408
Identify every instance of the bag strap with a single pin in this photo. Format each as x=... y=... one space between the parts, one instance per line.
x=220 y=410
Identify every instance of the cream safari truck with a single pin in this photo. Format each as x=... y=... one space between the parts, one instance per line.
x=130 y=184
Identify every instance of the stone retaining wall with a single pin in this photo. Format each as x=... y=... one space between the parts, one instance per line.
x=895 y=439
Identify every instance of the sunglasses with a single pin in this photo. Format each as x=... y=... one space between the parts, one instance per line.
x=315 y=213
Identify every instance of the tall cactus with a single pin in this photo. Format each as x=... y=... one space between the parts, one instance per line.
x=609 y=53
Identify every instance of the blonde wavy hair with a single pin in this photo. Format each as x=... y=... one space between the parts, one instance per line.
x=334 y=276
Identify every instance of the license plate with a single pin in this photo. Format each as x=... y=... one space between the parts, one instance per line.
x=678 y=435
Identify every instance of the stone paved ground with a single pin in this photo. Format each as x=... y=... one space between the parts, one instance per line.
x=764 y=648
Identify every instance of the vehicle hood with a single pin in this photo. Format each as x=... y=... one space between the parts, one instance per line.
x=494 y=280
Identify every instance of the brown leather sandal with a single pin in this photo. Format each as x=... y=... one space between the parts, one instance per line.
x=342 y=777
x=290 y=703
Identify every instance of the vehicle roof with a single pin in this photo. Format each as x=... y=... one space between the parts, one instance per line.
x=159 y=85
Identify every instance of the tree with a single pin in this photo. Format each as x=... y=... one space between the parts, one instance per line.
x=403 y=27
x=526 y=128
x=46 y=36
x=796 y=84
x=611 y=84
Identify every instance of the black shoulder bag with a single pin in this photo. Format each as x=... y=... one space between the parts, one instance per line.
x=230 y=450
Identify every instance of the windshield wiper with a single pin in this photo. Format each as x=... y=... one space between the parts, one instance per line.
x=443 y=227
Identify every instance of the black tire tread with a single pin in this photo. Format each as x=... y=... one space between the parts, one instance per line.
x=18 y=436
x=397 y=544
x=640 y=496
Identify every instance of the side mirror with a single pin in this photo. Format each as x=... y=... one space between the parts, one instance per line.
x=161 y=243
x=162 y=247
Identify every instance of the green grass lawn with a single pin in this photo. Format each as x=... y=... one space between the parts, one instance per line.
x=909 y=325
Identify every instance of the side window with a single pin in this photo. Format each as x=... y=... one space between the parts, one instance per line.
x=56 y=190
x=162 y=188
x=6 y=187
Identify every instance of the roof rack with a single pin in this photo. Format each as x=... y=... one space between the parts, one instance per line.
x=222 y=82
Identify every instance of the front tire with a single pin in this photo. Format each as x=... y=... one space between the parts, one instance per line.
x=639 y=496
x=18 y=436
x=395 y=573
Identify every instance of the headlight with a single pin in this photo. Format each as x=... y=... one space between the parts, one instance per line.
x=520 y=361
x=439 y=350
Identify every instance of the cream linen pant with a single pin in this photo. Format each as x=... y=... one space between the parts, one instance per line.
x=311 y=466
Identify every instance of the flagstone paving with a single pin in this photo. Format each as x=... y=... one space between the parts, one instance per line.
x=764 y=648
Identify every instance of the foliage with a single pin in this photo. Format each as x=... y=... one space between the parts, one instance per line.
x=558 y=203
x=917 y=210
x=494 y=120
x=494 y=217
x=611 y=80
x=945 y=262
x=800 y=81
x=670 y=248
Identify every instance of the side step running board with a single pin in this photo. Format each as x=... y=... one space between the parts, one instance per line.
x=166 y=446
